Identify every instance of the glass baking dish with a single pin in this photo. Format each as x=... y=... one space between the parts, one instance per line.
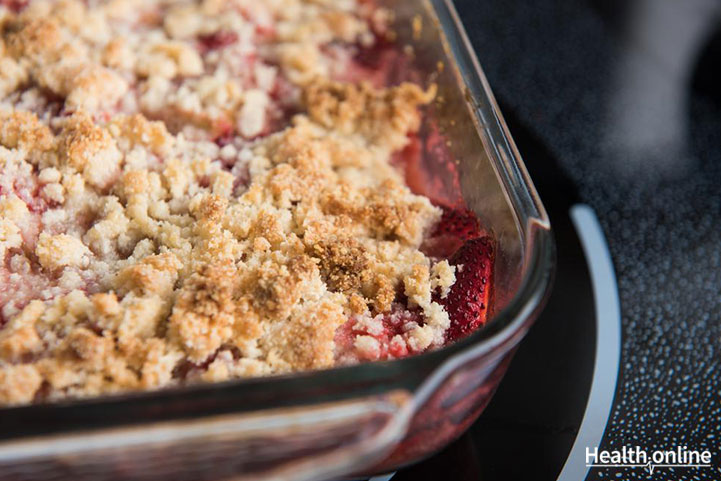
x=346 y=421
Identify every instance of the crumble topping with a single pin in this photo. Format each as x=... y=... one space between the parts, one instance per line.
x=187 y=194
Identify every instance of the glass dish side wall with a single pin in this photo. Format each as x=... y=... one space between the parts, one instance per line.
x=485 y=155
x=465 y=114
x=324 y=424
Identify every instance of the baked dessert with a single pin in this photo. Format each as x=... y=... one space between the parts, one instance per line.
x=215 y=189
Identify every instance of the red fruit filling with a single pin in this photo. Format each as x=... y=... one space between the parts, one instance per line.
x=468 y=300
x=14 y=5
x=217 y=40
x=455 y=228
x=378 y=338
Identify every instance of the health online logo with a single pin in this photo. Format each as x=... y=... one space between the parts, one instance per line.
x=635 y=457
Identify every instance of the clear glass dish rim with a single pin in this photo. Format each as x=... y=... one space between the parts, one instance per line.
x=416 y=374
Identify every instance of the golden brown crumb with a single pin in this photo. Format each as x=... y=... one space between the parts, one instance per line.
x=89 y=150
x=206 y=312
x=343 y=264
x=19 y=383
x=384 y=116
x=383 y=293
x=23 y=130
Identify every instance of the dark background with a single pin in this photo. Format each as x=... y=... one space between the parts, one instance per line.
x=616 y=104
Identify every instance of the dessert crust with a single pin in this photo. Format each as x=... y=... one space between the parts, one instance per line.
x=141 y=251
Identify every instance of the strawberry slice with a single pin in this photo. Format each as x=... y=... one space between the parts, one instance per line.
x=460 y=222
x=467 y=302
x=457 y=225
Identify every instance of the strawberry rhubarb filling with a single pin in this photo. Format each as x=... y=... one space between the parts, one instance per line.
x=217 y=189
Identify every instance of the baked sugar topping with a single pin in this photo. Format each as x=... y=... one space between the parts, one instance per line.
x=187 y=194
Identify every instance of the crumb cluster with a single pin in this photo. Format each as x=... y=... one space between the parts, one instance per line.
x=187 y=194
